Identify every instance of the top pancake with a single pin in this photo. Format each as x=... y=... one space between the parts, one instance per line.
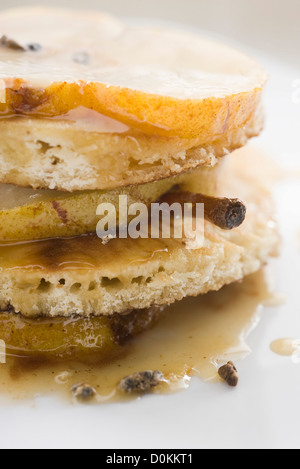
x=161 y=82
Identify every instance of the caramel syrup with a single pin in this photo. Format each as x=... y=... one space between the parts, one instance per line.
x=287 y=347
x=88 y=251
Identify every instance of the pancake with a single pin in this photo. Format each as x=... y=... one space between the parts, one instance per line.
x=59 y=155
x=162 y=102
x=81 y=276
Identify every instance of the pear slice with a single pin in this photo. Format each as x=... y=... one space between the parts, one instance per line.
x=103 y=337
x=27 y=214
x=162 y=82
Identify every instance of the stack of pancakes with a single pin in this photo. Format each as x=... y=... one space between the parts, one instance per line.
x=92 y=109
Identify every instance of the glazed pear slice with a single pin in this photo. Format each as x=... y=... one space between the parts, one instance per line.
x=27 y=214
x=160 y=81
x=102 y=337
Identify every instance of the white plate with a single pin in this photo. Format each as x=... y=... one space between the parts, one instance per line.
x=264 y=411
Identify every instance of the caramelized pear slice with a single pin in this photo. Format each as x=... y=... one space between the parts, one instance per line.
x=27 y=214
x=102 y=337
x=160 y=81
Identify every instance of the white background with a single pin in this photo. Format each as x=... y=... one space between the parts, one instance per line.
x=264 y=412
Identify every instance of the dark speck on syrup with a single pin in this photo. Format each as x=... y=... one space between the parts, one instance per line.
x=81 y=58
x=34 y=47
x=14 y=45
